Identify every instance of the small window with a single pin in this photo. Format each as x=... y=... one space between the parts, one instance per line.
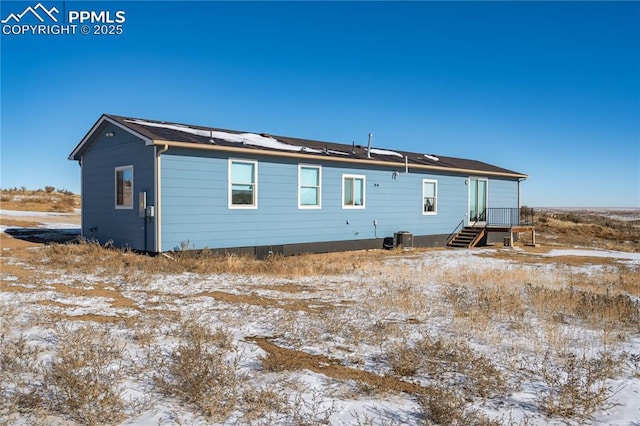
x=353 y=191
x=309 y=186
x=429 y=196
x=243 y=184
x=124 y=187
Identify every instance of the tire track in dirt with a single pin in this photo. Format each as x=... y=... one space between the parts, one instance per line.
x=280 y=359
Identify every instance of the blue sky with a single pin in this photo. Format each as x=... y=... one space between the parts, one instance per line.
x=550 y=89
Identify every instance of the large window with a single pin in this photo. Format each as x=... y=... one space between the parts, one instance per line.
x=353 y=191
x=243 y=184
x=124 y=187
x=309 y=186
x=429 y=196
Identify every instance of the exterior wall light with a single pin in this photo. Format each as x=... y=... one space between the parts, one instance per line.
x=109 y=134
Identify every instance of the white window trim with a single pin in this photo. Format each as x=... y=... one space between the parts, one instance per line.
x=306 y=206
x=115 y=189
x=435 y=212
x=230 y=185
x=364 y=192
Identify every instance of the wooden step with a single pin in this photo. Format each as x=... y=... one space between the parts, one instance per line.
x=468 y=237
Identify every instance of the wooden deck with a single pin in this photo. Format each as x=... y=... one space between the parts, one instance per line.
x=503 y=220
x=470 y=236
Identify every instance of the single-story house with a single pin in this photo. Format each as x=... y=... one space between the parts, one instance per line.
x=157 y=186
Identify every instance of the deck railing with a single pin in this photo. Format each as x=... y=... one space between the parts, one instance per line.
x=507 y=216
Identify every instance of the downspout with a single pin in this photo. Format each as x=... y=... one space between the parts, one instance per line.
x=520 y=180
x=81 y=195
x=158 y=176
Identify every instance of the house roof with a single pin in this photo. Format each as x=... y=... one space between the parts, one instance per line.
x=169 y=134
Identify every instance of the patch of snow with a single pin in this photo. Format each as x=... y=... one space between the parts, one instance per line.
x=431 y=157
x=594 y=253
x=243 y=138
x=385 y=152
x=25 y=213
x=70 y=227
x=331 y=151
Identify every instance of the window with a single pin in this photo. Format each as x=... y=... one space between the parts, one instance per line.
x=353 y=191
x=124 y=187
x=309 y=183
x=243 y=184
x=429 y=196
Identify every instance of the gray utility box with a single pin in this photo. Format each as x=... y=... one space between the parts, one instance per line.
x=404 y=239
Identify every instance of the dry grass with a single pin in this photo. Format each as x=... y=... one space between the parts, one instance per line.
x=591 y=229
x=281 y=303
x=575 y=386
x=39 y=200
x=91 y=257
x=18 y=369
x=444 y=406
x=447 y=361
x=82 y=381
x=446 y=338
x=199 y=371
x=597 y=310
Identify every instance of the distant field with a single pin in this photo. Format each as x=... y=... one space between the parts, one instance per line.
x=597 y=227
x=39 y=200
x=488 y=336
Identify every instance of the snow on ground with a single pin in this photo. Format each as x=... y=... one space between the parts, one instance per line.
x=21 y=213
x=346 y=333
x=634 y=257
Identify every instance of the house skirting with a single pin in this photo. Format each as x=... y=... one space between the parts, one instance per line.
x=327 y=246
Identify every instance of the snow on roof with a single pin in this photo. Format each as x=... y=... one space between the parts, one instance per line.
x=385 y=152
x=243 y=138
x=432 y=157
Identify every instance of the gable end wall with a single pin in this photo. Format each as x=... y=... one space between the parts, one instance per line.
x=100 y=219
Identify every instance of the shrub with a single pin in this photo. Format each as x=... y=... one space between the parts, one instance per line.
x=18 y=371
x=198 y=372
x=84 y=378
x=404 y=360
x=444 y=406
x=575 y=387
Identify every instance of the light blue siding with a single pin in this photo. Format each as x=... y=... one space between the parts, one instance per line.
x=194 y=204
x=100 y=219
x=503 y=193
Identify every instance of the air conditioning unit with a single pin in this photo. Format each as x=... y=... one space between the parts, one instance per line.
x=404 y=239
